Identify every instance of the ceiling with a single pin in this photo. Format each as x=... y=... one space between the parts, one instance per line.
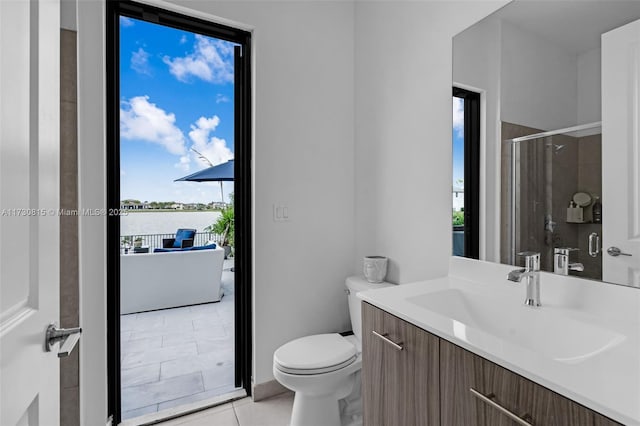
x=575 y=25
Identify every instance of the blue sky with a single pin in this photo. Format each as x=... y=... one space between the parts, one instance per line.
x=458 y=141
x=176 y=93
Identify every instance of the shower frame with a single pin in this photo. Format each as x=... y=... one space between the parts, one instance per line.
x=514 y=143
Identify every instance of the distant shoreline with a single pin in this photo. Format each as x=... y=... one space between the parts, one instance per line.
x=169 y=210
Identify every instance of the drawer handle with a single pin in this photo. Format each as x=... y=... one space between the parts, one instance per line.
x=523 y=420
x=397 y=346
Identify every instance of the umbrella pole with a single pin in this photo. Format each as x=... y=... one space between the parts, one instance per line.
x=221 y=192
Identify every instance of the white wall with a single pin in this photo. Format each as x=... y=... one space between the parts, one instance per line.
x=539 y=81
x=303 y=157
x=476 y=66
x=589 y=86
x=316 y=64
x=92 y=195
x=403 y=81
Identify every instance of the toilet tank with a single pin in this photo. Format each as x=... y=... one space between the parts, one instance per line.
x=354 y=286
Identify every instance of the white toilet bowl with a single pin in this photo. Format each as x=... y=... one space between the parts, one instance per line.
x=324 y=369
x=321 y=370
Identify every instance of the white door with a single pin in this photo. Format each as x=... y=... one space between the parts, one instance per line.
x=621 y=154
x=29 y=231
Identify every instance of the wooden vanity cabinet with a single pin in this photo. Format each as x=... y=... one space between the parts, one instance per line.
x=399 y=386
x=459 y=371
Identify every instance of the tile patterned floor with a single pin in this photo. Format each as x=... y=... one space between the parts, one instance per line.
x=178 y=356
x=275 y=411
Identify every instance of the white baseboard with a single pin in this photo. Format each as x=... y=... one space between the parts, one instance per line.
x=267 y=390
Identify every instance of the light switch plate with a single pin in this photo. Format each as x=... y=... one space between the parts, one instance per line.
x=280 y=213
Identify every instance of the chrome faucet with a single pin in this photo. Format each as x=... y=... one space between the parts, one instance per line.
x=531 y=273
x=561 y=264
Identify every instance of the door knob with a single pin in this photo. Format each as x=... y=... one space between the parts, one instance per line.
x=615 y=251
x=67 y=336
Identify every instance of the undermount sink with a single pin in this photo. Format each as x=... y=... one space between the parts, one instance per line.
x=559 y=337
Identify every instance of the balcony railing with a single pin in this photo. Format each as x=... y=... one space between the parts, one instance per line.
x=155 y=240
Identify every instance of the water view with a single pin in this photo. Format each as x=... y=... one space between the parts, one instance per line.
x=138 y=223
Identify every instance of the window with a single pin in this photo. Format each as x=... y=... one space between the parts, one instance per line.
x=466 y=173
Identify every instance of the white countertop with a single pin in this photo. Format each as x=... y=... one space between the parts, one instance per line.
x=606 y=381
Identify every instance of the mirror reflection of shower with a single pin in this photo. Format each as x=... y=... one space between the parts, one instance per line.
x=551 y=182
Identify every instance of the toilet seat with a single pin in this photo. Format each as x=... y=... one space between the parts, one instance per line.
x=317 y=354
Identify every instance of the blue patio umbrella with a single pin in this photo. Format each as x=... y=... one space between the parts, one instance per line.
x=218 y=173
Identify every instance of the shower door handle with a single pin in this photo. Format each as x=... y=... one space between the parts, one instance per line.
x=594 y=244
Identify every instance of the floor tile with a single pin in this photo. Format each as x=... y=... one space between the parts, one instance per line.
x=161 y=329
x=164 y=390
x=223 y=415
x=223 y=375
x=137 y=345
x=274 y=411
x=138 y=359
x=216 y=332
x=213 y=325
x=207 y=345
x=139 y=412
x=127 y=321
x=196 y=397
x=179 y=356
x=186 y=365
x=140 y=375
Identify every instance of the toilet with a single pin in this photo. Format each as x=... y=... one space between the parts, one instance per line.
x=324 y=369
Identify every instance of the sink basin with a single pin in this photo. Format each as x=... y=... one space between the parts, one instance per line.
x=556 y=336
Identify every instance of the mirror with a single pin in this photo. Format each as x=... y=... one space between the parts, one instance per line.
x=538 y=68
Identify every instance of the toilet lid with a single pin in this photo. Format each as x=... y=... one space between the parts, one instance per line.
x=315 y=354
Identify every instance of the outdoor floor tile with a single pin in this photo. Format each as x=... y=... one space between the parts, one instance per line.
x=138 y=345
x=205 y=308
x=139 y=411
x=186 y=365
x=196 y=397
x=160 y=330
x=216 y=332
x=145 y=321
x=206 y=346
x=126 y=322
x=140 y=375
x=218 y=377
x=164 y=390
x=180 y=356
x=213 y=325
x=138 y=359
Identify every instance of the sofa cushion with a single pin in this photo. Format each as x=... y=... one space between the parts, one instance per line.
x=206 y=247
x=183 y=234
x=196 y=248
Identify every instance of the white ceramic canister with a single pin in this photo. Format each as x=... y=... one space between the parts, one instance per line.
x=375 y=268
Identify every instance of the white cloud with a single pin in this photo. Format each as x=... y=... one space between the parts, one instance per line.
x=126 y=22
x=458 y=116
x=184 y=163
x=211 y=147
x=220 y=98
x=143 y=120
x=140 y=61
x=183 y=39
x=211 y=60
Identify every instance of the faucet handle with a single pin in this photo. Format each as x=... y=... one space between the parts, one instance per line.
x=531 y=260
x=564 y=250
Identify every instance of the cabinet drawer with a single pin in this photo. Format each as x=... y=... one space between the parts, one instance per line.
x=462 y=371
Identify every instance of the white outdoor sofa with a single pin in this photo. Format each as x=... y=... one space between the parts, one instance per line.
x=150 y=281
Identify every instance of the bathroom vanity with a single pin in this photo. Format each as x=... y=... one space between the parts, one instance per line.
x=463 y=350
